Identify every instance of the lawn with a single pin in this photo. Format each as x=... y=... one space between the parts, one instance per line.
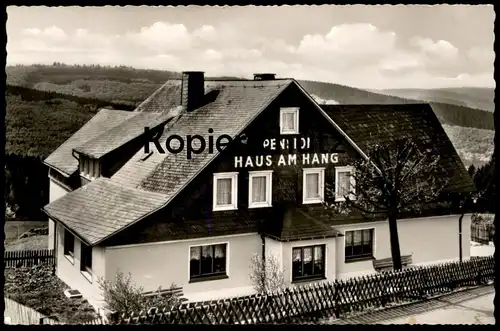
x=38 y=289
x=30 y=243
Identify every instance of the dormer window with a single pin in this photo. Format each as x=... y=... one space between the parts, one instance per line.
x=89 y=168
x=289 y=120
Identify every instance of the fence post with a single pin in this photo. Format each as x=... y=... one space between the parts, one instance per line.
x=478 y=277
x=336 y=300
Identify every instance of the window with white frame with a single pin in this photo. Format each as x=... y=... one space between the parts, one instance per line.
x=289 y=120
x=207 y=261
x=308 y=262
x=90 y=168
x=313 y=185
x=225 y=193
x=344 y=183
x=260 y=189
x=359 y=244
x=86 y=258
x=69 y=244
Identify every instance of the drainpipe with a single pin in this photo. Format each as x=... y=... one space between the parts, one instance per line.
x=460 y=237
x=460 y=221
x=263 y=256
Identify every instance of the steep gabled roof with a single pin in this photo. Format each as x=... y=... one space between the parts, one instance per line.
x=101 y=207
x=62 y=158
x=159 y=177
x=235 y=106
x=121 y=134
x=369 y=125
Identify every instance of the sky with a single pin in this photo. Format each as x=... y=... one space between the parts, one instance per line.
x=372 y=47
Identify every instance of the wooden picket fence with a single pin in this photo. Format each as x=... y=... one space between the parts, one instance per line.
x=16 y=313
x=482 y=233
x=322 y=300
x=28 y=258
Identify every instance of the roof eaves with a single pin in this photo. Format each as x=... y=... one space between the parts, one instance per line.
x=74 y=233
x=62 y=172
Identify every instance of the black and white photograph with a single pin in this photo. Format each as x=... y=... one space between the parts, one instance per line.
x=323 y=165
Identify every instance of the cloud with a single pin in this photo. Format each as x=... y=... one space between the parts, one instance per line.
x=359 y=54
x=347 y=45
x=437 y=49
x=53 y=33
x=482 y=58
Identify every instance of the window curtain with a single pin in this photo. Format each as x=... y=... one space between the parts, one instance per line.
x=259 y=189
x=318 y=260
x=219 y=258
x=312 y=185
x=344 y=184
x=224 y=191
x=308 y=264
x=297 y=262
x=195 y=261
x=289 y=121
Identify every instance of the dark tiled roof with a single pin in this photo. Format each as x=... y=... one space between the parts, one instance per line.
x=101 y=208
x=197 y=229
x=126 y=131
x=297 y=224
x=166 y=97
x=368 y=125
x=104 y=120
x=234 y=107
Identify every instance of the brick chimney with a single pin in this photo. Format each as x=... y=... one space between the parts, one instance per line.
x=193 y=89
x=264 y=76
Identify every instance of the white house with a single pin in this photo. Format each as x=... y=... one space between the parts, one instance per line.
x=219 y=184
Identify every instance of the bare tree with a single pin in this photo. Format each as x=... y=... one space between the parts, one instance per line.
x=267 y=275
x=122 y=296
x=396 y=178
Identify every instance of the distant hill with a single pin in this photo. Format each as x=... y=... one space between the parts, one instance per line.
x=77 y=91
x=472 y=97
x=451 y=114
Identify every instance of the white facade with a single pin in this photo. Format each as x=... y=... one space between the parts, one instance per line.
x=429 y=240
x=56 y=191
x=68 y=269
x=166 y=263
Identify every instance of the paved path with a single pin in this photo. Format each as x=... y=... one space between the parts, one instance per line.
x=473 y=306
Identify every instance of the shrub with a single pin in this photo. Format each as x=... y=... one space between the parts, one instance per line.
x=266 y=276
x=124 y=298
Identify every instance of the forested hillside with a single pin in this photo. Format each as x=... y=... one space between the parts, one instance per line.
x=472 y=97
x=36 y=123
x=129 y=86
x=450 y=114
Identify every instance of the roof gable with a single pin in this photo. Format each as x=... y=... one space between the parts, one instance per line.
x=235 y=106
x=369 y=125
x=62 y=159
